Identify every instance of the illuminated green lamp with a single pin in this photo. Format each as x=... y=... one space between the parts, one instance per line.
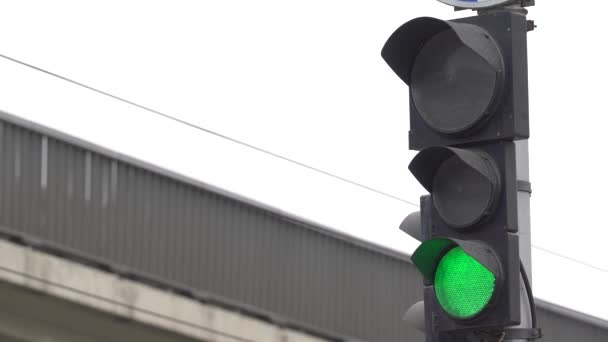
x=465 y=274
x=463 y=286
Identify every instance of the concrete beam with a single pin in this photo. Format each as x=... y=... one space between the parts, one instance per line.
x=140 y=303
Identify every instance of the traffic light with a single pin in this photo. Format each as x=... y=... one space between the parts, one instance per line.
x=468 y=100
x=473 y=68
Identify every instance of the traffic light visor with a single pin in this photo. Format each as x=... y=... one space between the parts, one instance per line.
x=427 y=256
x=454 y=70
x=404 y=45
x=464 y=184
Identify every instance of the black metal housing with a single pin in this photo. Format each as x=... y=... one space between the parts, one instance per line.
x=427 y=260
x=507 y=118
x=504 y=217
x=498 y=232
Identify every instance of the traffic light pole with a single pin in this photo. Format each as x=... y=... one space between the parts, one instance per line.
x=523 y=204
x=525 y=243
x=525 y=251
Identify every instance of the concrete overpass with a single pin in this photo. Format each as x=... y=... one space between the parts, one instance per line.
x=45 y=298
x=97 y=245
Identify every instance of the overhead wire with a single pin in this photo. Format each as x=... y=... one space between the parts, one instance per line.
x=570 y=258
x=255 y=148
x=212 y=132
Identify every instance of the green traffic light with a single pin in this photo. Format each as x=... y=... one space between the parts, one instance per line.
x=463 y=286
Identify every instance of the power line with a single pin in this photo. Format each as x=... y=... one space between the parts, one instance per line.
x=570 y=258
x=259 y=149
x=209 y=131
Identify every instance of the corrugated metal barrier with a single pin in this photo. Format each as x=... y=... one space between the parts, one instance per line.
x=194 y=237
x=134 y=216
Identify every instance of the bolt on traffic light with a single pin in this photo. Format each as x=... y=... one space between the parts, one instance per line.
x=468 y=99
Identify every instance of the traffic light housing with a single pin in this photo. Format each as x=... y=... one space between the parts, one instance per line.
x=468 y=99
x=474 y=67
x=471 y=273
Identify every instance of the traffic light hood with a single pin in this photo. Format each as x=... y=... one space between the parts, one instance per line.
x=402 y=47
x=428 y=255
x=426 y=163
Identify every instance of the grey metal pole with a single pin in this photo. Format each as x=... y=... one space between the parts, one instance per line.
x=523 y=215
x=523 y=204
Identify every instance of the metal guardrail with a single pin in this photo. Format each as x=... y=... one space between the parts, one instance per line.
x=79 y=201
x=144 y=220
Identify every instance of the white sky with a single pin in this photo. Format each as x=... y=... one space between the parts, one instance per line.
x=305 y=79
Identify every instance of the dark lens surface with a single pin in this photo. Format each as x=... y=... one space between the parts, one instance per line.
x=461 y=194
x=452 y=86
